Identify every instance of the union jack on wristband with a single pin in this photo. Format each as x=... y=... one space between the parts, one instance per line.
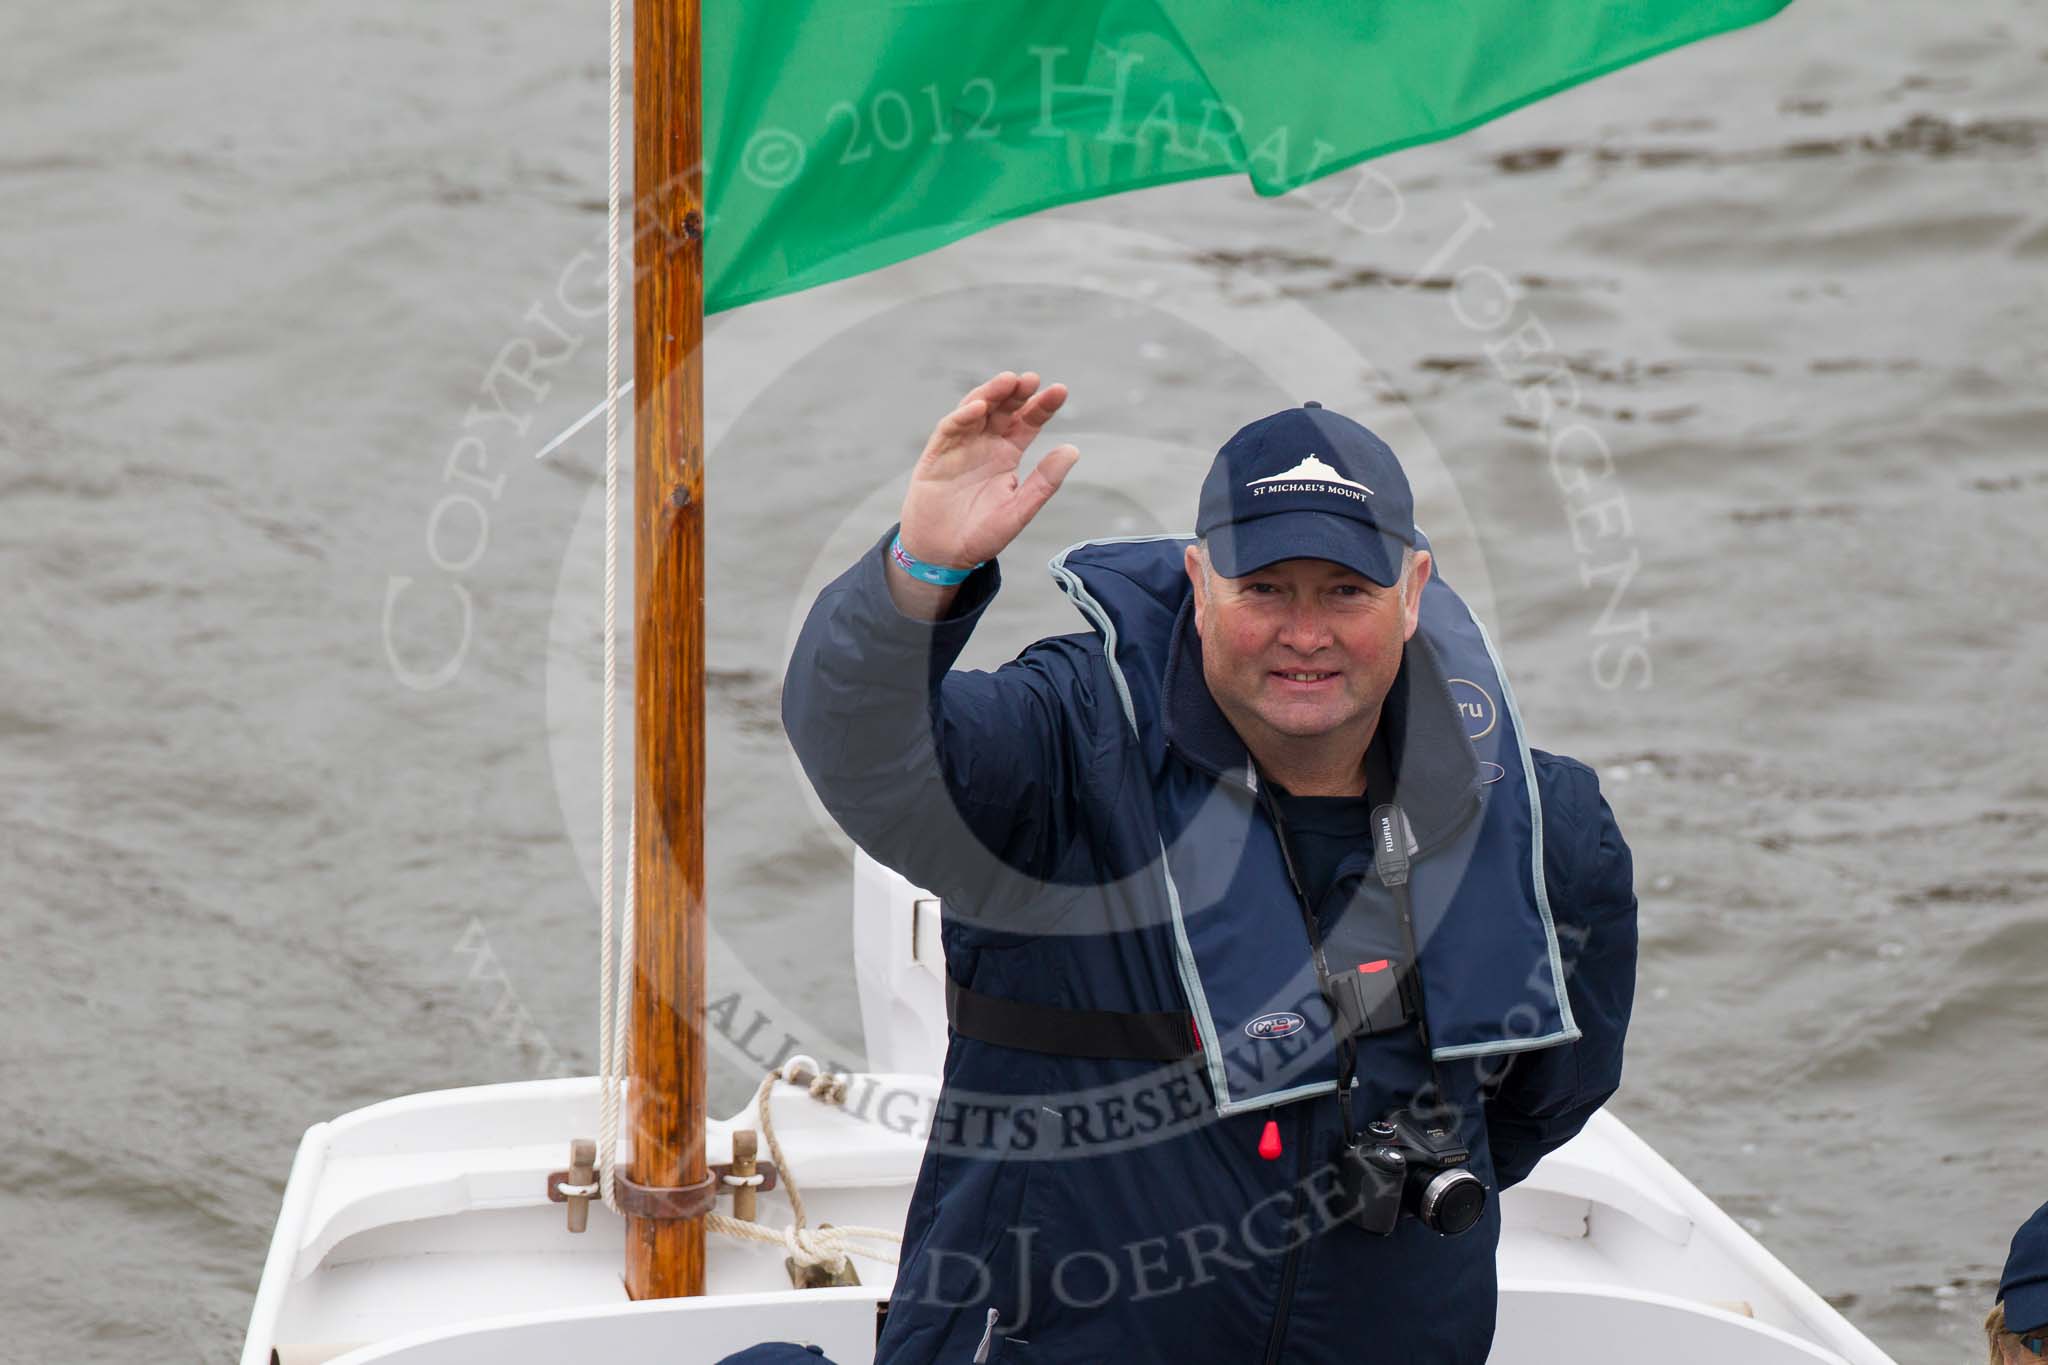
x=937 y=574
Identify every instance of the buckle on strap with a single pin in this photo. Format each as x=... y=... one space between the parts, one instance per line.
x=1377 y=997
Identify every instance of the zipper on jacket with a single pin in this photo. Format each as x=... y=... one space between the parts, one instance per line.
x=1276 y=1336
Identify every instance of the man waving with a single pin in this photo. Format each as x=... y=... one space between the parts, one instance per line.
x=1274 y=950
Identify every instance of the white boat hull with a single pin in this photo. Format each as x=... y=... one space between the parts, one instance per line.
x=419 y=1230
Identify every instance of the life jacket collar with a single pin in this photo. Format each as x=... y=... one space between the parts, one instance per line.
x=1437 y=776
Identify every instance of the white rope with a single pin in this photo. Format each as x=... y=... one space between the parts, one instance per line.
x=828 y=1247
x=615 y=971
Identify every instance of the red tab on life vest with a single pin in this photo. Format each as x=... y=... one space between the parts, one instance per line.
x=1370 y=967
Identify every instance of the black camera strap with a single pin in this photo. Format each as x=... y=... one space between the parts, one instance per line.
x=1390 y=863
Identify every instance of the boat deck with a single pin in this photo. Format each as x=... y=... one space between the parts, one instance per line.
x=419 y=1231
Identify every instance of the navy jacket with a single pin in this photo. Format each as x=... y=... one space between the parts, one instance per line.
x=1076 y=1209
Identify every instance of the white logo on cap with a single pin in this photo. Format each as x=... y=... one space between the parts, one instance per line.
x=1311 y=475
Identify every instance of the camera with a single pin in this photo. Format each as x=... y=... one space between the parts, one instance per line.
x=1404 y=1165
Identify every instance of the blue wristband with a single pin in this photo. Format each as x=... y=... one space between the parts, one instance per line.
x=937 y=574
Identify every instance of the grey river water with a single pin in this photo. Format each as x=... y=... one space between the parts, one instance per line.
x=298 y=730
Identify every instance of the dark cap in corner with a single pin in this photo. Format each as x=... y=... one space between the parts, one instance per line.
x=2024 y=1286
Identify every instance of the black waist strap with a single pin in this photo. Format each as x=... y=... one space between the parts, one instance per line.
x=1143 y=1036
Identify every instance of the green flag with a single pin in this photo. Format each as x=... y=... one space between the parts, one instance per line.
x=846 y=135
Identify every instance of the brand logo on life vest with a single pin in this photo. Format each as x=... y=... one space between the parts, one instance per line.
x=1475 y=708
x=1276 y=1025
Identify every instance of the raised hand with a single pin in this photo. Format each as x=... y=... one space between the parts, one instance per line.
x=965 y=503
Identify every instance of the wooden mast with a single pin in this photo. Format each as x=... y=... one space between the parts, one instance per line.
x=665 y=1257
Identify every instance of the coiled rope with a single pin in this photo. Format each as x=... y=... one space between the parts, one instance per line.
x=827 y=1247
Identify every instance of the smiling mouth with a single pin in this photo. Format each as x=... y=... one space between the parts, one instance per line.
x=1302 y=676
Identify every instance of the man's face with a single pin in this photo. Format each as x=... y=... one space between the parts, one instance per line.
x=1302 y=648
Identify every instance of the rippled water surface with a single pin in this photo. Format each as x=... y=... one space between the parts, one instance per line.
x=271 y=272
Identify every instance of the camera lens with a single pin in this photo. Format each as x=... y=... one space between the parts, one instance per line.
x=1452 y=1202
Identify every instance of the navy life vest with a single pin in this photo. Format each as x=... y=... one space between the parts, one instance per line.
x=1490 y=978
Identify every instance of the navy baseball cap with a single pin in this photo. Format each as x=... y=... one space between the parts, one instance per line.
x=1307 y=483
x=2024 y=1286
